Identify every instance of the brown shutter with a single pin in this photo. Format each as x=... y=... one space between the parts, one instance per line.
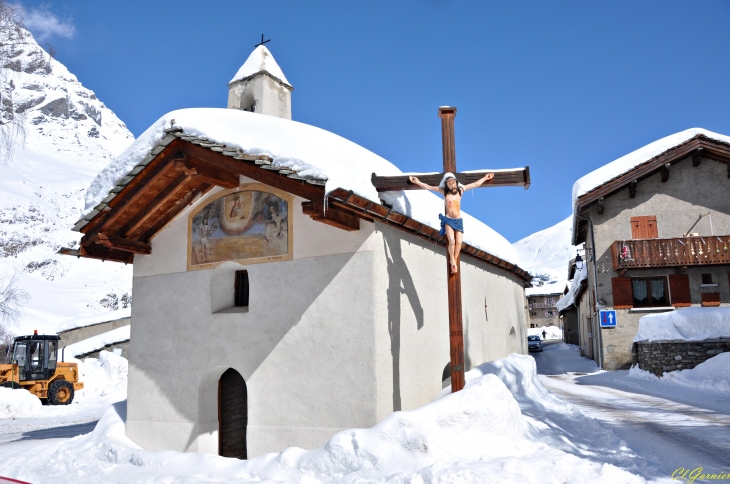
x=679 y=290
x=623 y=297
x=636 y=228
x=711 y=299
x=652 y=231
x=644 y=227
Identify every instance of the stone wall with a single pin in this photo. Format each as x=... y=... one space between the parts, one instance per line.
x=660 y=356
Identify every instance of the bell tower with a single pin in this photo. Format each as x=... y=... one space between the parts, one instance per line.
x=259 y=86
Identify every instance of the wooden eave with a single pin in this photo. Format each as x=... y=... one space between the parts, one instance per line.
x=182 y=168
x=711 y=149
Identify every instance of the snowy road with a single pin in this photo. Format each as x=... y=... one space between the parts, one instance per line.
x=667 y=426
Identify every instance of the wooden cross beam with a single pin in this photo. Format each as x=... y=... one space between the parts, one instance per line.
x=511 y=177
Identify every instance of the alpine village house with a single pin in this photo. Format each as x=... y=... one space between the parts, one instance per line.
x=278 y=297
x=656 y=228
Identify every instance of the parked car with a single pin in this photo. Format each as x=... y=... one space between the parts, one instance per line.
x=534 y=343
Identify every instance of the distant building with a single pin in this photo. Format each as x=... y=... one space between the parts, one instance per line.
x=542 y=302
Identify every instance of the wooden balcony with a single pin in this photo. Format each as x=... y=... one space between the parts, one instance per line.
x=680 y=251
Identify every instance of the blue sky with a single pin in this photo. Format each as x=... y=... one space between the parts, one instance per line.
x=563 y=87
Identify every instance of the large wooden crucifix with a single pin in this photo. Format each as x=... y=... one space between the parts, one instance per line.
x=503 y=178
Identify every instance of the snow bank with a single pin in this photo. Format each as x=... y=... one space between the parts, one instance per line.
x=308 y=150
x=95 y=319
x=630 y=161
x=259 y=60
x=476 y=435
x=553 y=332
x=712 y=375
x=18 y=403
x=98 y=342
x=688 y=324
x=569 y=299
x=104 y=378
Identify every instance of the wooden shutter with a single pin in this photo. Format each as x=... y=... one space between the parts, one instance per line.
x=623 y=297
x=644 y=227
x=711 y=299
x=679 y=290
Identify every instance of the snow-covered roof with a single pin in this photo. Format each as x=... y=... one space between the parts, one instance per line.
x=311 y=152
x=547 y=289
x=628 y=162
x=98 y=342
x=98 y=318
x=260 y=60
x=569 y=299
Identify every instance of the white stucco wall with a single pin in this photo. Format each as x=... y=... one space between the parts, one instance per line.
x=352 y=328
x=412 y=327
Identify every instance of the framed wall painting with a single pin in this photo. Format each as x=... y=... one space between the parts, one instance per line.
x=249 y=224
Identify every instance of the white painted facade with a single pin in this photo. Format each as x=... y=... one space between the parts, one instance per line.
x=354 y=327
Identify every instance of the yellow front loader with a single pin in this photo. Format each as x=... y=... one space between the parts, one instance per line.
x=34 y=366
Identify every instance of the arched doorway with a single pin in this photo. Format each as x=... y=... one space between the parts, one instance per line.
x=232 y=415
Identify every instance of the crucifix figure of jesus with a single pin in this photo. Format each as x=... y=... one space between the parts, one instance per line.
x=451 y=181
x=452 y=225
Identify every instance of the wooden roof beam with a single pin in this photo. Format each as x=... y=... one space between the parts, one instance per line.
x=193 y=195
x=331 y=216
x=145 y=213
x=119 y=243
x=134 y=190
x=97 y=251
x=665 y=172
x=250 y=170
x=697 y=157
x=632 y=188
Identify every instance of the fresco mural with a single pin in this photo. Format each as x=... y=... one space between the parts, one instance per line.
x=242 y=225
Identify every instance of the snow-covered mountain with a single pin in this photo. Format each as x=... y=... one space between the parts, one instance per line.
x=70 y=135
x=545 y=254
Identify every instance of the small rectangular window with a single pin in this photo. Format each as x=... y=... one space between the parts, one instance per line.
x=649 y=292
x=241 y=289
x=706 y=278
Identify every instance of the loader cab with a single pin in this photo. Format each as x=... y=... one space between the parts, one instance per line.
x=36 y=356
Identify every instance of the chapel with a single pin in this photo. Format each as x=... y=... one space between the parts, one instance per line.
x=279 y=298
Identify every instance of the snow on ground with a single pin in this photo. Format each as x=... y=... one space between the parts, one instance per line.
x=553 y=332
x=99 y=341
x=14 y=404
x=711 y=375
x=503 y=427
x=306 y=149
x=546 y=254
x=664 y=425
x=23 y=418
x=688 y=324
x=70 y=136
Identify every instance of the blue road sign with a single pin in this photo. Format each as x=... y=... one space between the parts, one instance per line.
x=607 y=318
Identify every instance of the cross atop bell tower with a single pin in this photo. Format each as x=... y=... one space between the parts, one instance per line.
x=259 y=86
